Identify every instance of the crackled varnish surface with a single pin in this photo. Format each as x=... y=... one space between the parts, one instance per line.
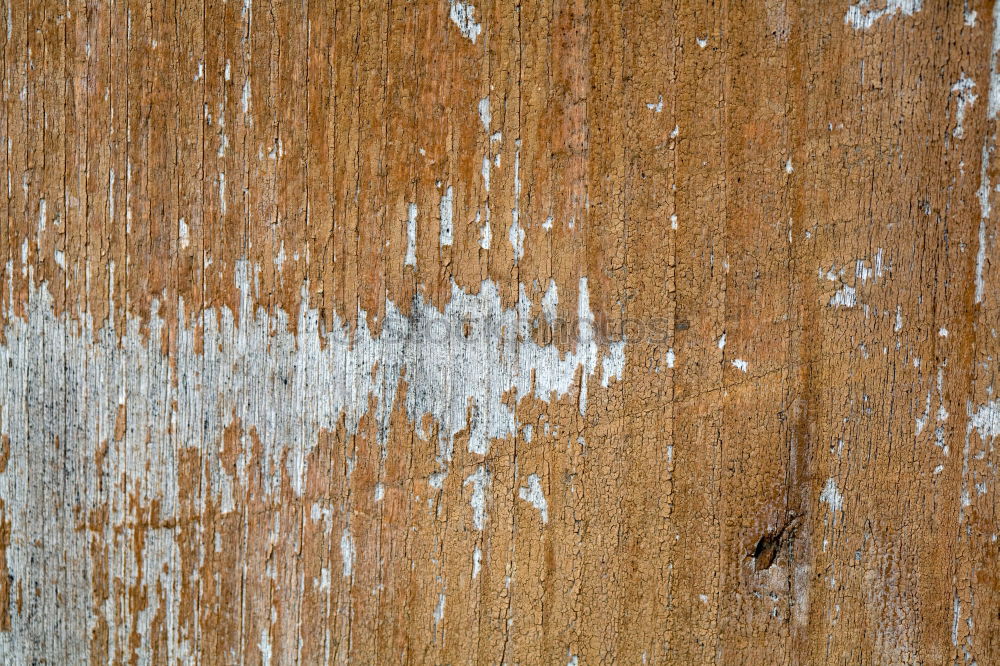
x=543 y=333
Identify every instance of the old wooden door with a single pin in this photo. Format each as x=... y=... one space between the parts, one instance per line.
x=567 y=332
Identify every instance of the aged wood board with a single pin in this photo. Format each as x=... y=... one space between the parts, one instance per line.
x=566 y=332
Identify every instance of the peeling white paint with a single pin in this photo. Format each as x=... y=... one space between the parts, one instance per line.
x=446 y=211
x=964 y=98
x=183 y=234
x=439 y=609
x=533 y=495
x=245 y=97
x=484 y=113
x=845 y=297
x=831 y=496
x=479 y=480
x=477 y=559
x=516 y=233
x=986 y=420
x=485 y=232
x=463 y=15
x=222 y=192
x=347 y=552
x=411 y=235
x=614 y=363
x=994 y=95
x=465 y=364
x=861 y=15
x=550 y=303
x=740 y=364
x=981 y=261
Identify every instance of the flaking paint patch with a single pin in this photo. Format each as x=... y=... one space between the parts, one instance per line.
x=831 y=496
x=533 y=495
x=964 y=98
x=347 y=552
x=479 y=481
x=516 y=233
x=461 y=363
x=993 y=105
x=614 y=363
x=862 y=15
x=463 y=15
x=411 y=235
x=447 y=214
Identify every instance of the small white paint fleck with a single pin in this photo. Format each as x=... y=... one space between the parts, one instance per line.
x=671 y=358
x=532 y=493
x=740 y=364
x=42 y=215
x=479 y=480
x=943 y=332
x=347 y=552
x=547 y=224
x=614 y=363
x=964 y=98
x=264 y=645
x=485 y=172
x=981 y=260
x=379 y=493
x=994 y=94
x=861 y=16
x=675 y=132
x=464 y=16
x=485 y=232
x=183 y=234
x=477 y=559
x=899 y=319
x=484 y=113
x=60 y=258
x=970 y=17
x=245 y=98
x=279 y=259
x=788 y=166
x=722 y=341
x=411 y=235
x=702 y=42
x=987 y=420
x=228 y=71
x=938 y=469
x=657 y=106
x=703 y=598
x=439 y=611
x=222 y=192
x=673 y=222
x=446 y=209
x=831 y=496
x=550 y=302
x=845 y=297
x=516 y=233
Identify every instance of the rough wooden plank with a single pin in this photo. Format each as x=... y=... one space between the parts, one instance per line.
x=525 y=333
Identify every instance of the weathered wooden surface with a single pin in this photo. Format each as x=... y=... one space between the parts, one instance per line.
x=312 y=314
